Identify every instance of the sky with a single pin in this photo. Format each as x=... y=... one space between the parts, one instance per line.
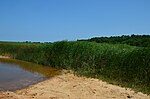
x=57 y=20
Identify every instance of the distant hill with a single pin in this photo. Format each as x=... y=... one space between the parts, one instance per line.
x=133 y=40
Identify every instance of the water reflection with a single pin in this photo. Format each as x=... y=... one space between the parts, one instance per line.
x=16 y=74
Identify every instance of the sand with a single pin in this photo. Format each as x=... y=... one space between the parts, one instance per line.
x=69 y=86
x=4 y=56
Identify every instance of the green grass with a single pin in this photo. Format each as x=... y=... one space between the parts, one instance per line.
x=119 y=64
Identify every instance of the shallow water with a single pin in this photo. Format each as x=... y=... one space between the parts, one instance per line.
x=15 y=74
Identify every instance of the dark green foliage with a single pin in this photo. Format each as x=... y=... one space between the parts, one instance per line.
x=119 y=63
x=134 y=40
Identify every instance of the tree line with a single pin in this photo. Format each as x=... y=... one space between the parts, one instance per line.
x=133 y=40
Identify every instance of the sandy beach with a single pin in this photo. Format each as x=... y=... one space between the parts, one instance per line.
x=68 y=86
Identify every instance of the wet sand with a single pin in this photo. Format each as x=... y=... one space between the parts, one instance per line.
x=68 y=86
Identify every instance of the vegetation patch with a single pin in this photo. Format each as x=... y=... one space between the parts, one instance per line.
x=119 y=64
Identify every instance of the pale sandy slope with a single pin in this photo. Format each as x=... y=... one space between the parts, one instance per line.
x=68 y=86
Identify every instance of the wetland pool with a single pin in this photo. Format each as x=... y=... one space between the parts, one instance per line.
x=16 y=74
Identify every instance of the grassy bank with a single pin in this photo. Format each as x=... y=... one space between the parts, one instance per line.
x=120 y=64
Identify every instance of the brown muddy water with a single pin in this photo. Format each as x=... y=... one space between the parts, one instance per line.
x=16 y=74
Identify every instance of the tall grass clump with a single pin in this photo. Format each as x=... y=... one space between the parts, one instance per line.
x=23 y=51
x=122 y=64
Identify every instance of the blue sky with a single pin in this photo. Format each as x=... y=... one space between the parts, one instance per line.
x=56 y=20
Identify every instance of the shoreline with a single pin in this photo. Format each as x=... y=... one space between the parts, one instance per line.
x=69 y=86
